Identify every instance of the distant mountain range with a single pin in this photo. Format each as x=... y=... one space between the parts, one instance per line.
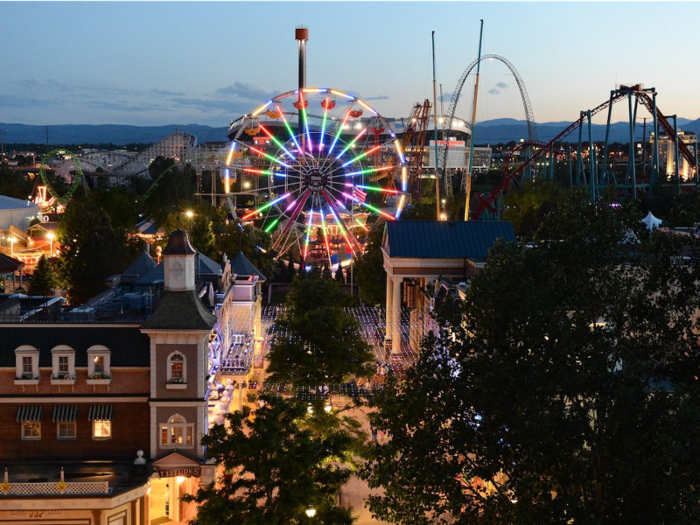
x=494 y=131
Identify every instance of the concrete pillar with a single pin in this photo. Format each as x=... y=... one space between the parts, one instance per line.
x=389 y=305
x=396 y=316
x=670 y=158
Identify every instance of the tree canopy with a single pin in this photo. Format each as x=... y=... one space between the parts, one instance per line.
x=564 y=389
x=317 y=341
x=281 y=461
x=369 y=268
x=43 y=279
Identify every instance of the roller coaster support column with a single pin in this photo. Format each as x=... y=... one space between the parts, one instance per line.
x=697 y=175
x=607 y=140
x=675 y=152
x=592 y=159
x=571 y=170
x=471 y=138
x=579 y=157
x=631 y=172
x=655 y=162
x=435 y=135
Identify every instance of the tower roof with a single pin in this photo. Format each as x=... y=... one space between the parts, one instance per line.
x=179 y=244
x=180 y=311
x=240 y=265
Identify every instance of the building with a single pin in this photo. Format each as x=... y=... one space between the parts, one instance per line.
x=103 y=408
x=418 y=255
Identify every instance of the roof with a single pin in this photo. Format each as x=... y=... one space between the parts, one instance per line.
x=9 y=264
x=240 y=265
x=128 y=346
x=143 y=264
x=9 y=203
x=148 y=227
x=204 y=265
x=444 y=239
x=180 y=311
x=179 y=244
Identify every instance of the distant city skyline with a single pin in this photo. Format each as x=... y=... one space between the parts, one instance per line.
x=159 y=63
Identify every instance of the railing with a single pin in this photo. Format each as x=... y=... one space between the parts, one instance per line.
x=74 y=319
x=59 y=488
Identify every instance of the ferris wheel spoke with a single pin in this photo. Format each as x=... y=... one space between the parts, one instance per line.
x=349 y=237
x=305 y=120
x=310 y=220
x=323 y=124
x=277 y=142
x=338 y=133
x=265 y=206
x=361 y=156
x=289 y=130
x=296 y=210
x=325 y=235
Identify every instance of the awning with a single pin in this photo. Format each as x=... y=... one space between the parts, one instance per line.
x=100 y=412
x=30 y=413
x=65 y=413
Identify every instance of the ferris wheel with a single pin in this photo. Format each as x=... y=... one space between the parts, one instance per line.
x=313 y=164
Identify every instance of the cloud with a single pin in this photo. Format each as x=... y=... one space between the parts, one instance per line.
x=202 y=104
x=494 y=91
x=12 y=101
x=502 y=85
x=130 y=107
x=378 y=97
x=245 y=91
x=165 y=93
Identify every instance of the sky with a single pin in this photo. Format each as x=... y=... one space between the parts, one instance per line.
x=159 y=63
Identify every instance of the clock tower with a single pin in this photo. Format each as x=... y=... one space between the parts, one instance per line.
x=178 y=258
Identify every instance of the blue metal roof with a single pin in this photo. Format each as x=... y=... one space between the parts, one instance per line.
x=445 y=239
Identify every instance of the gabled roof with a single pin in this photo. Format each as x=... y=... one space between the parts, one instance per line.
x=143 y=264
x=241 y=266
x=443 y=239
x=9 y=264
x=10 y=203
x=180 y=311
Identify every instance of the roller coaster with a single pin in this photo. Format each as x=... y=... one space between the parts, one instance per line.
x=600 y=178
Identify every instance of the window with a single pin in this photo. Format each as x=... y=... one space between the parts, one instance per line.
x=27 y=363
x=98 y=362
x=101 y=430
x=63 y=363
x=176 y=367
x=101 y=418
x=31 y=429
x=27 y=366
x=177 y=433
x=66 y=430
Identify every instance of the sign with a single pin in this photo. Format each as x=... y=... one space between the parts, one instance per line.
x=187 y=472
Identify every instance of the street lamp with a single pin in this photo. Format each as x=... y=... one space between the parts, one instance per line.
x=51 y=235
x=311 y=512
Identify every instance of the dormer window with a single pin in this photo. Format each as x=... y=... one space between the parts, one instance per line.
x=63 y=369
x=26 y=365
x=99 y=362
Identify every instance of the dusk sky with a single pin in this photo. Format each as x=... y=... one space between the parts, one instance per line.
x=157 y=63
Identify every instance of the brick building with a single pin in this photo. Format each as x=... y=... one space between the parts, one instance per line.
x=102 y=410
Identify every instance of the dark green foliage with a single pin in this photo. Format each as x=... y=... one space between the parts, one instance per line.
x=91 y=250
x=522 y=206
x=318 y=342
x=43 y=279
x=370 y=275
x=563 y=390
x=171 y=185
x=281 y=462
x=122 y=205
x=14 y=184
x=255 y=244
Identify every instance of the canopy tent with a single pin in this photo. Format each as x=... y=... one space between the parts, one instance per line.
x=651 y=222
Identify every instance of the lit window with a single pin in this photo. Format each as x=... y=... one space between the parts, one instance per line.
x=98 y=362
x=66 y=430
x=177 y=433
x=31 y=429
x=176 y=367
x=101 y=429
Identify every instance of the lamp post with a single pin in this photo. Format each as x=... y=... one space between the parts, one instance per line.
x=50 y=235
x=311 y=511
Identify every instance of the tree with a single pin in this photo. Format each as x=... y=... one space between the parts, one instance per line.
x=318 y=342
x=91 y=250
x=562 y=390
x=369 y=268
x=522 y=205
x=255 y=244
x=281 y=462
x=13 y=184
x=171 y=186
x=43 y=279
